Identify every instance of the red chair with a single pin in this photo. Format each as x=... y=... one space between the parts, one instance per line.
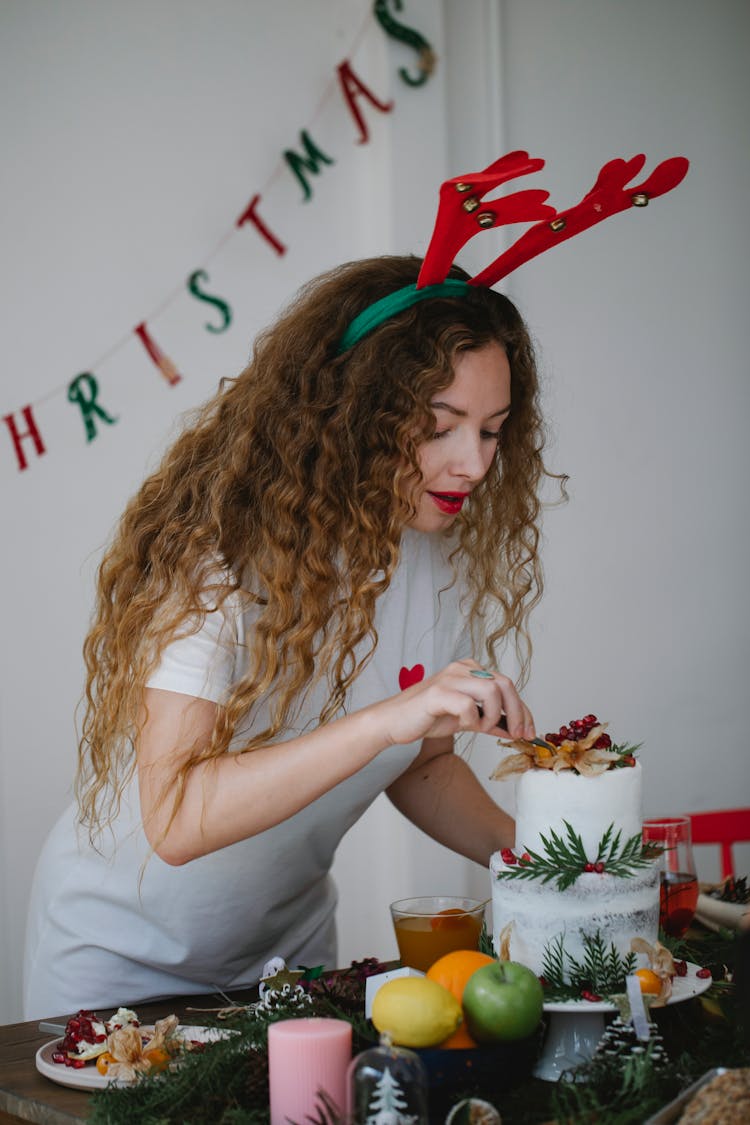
x=724 y=827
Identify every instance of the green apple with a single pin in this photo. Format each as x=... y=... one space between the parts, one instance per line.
x=502 y=1001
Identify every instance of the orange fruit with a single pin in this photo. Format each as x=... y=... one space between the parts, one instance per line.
x=459 y=1040
x=103 y=1061
x=452 y=971
x=158 y=1057
x=649 y=981
x=449 y=919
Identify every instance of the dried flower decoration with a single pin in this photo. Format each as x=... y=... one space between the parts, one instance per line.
x=582 y=745
x=503 y=941
x=662 y=965
x=131 y=1056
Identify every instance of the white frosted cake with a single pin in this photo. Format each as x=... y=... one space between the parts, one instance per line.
x=577 y=874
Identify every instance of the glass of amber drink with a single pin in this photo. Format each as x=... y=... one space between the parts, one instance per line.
x=678 y=881
x=427 y=928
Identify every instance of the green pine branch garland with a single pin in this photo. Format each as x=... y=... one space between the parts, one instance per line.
x=227 y=1084
x=563 y=860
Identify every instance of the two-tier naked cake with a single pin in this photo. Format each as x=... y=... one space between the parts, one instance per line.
x=578 y=882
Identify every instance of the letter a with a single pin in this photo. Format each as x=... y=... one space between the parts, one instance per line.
x=351 y=86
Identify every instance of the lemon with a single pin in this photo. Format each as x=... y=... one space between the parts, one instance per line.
x=415 y=1011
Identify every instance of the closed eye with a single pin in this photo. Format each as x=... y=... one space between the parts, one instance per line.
x=486 y=435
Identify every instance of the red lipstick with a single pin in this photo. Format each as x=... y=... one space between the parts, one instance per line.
x=449 y=502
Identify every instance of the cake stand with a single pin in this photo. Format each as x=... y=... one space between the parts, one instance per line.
x=576 y=1026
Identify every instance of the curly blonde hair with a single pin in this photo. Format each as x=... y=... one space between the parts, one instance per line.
x=291 y=487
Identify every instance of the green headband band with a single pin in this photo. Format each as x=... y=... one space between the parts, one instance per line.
x=394 y=303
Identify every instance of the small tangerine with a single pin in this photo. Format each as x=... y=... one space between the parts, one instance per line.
x=650 y=983
x=103 y=1061
x=158 y=1057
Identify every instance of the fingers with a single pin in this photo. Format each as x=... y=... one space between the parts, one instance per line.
x=500 y=708
x=463 y=696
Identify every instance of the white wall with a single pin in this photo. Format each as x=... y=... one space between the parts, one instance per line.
x=134 y=135
x=643 y=344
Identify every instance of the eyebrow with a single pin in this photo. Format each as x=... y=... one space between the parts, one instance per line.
x=462 y=413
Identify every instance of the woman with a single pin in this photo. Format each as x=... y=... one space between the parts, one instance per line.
x=285 y=628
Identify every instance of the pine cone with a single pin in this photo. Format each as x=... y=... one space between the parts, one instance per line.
x=620 y=1039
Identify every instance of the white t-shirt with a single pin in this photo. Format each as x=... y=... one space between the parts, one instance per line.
x=121 y=926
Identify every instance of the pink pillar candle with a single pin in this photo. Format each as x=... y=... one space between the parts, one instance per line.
x=305 y=1056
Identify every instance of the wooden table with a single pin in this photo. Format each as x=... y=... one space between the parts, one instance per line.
x=26 y=1095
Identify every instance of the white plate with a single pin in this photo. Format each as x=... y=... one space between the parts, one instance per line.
x=88 y=1077
x=712 y=912
x=683 y=988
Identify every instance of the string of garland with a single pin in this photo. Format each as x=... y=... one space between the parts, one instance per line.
x=26 y=434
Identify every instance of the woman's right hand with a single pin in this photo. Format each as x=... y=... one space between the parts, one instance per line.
x=461 y=697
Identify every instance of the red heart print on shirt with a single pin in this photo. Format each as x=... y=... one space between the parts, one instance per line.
x=409 y=676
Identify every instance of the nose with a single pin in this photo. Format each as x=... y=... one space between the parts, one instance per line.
x=473 y=457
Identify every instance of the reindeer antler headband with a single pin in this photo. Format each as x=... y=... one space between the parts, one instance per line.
x=462 y=214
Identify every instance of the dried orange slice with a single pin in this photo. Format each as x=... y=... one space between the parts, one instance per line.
x=450 y=919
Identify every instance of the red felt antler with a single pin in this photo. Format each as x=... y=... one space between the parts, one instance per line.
x=461 y=215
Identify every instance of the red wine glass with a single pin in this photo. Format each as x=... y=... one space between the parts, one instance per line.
x=678 y=880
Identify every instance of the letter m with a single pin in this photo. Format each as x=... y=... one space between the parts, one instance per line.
x=309 y=163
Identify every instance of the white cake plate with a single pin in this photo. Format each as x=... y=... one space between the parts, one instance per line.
x=576 y=1026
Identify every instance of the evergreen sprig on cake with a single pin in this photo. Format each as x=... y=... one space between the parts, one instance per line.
x=601 y=972
x=564 y=859
x=581 y=745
